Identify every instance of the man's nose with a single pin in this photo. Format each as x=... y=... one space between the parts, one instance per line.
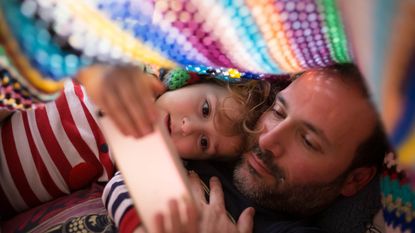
x=274 y=138
x=188 y=126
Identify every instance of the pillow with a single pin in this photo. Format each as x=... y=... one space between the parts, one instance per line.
x=358 y=210
x=82 y=210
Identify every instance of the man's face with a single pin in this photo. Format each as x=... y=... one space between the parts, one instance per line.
x=307 y=142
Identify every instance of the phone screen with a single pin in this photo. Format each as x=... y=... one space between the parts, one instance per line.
x=152 y=169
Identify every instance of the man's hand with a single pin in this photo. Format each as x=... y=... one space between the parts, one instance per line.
x=213 y=216
x=126 y=94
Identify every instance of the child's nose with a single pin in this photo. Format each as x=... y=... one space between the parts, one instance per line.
x=187 y=126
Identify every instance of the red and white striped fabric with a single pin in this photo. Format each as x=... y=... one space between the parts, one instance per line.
x=51 y=151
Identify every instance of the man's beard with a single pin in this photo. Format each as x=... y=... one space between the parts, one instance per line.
x=298 y=200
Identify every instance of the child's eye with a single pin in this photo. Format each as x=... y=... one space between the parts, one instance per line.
x=204 y=143
x=205 y=109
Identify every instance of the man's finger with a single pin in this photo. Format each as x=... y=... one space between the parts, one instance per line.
x=197 y=189
x=216 y=193
x=246 y=220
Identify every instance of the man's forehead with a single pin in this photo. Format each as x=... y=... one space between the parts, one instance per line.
x=319 y=83
x=330 y=105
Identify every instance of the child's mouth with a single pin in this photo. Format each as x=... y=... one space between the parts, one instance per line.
x=168 y=123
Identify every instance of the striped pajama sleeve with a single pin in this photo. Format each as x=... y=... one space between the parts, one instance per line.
x=120 y=207
x=51 y=151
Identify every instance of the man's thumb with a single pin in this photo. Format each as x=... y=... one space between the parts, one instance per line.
x=246 y=220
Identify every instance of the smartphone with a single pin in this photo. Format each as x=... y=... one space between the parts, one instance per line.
x=152 y=171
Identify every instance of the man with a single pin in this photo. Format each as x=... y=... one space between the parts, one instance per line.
x=308 y=143
x=320 y=140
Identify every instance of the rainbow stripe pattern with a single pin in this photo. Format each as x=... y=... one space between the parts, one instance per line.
x=253 y=36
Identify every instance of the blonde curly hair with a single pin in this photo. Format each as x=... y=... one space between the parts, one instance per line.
x=255 y=97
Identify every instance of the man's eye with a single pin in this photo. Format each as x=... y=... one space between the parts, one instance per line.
x=205 y=109
x=278 y=112
x=204 y=143
x=309 y=144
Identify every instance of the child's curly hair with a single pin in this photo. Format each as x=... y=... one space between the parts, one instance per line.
x=255 y=97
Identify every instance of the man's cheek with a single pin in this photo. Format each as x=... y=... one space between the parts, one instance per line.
x=303 y=173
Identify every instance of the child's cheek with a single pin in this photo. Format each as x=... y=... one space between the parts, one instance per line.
x=186 y=148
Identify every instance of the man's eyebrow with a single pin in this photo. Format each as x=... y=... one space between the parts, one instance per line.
x=317 y=131
x=281 y=99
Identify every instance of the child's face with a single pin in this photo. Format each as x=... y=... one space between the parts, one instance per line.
x=189 y=114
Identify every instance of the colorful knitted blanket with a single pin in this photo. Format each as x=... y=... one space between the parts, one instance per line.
x=46 y=41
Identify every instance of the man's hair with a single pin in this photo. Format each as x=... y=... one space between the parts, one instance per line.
x=372 y=150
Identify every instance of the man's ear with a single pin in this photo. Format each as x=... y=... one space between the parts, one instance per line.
x=357 y=179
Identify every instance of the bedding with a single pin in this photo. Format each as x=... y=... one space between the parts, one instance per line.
x=81 y=211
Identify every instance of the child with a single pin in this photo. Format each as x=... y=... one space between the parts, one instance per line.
x=197 y=116
x=58 y=148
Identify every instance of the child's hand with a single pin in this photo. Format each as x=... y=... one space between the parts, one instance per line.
x=178 y=224
x=140 y=229
x=124 y=93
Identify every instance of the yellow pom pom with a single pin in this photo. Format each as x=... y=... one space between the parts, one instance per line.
x=233 y=73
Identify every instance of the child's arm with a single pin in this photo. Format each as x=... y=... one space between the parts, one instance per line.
x=50 y=151
x=214 y=217
x=119 y=204
x=125 y=93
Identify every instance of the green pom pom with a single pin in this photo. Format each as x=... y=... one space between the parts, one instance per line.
x=176 y=78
